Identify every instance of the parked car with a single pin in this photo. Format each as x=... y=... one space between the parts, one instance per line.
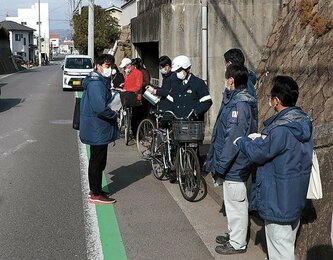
x=75 y=69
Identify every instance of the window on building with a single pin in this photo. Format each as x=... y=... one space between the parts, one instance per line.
x=24 y=23
x=18 y=37
x=24 y=41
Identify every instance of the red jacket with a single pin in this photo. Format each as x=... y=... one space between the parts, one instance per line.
x=133 y=82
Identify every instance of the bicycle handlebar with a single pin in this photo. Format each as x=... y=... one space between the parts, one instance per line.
x=161 y=113
x=116 y=89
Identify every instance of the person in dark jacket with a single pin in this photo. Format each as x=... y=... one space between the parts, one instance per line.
x=163 y=91
x=235 y=56
x=228 y=165
x=188 y=94
x=98 y=126
x=283 y=154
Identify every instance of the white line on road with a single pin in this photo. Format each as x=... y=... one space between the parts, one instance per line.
x=18 y=147
x=5 y=76
x=15 y=149
x=94 y=246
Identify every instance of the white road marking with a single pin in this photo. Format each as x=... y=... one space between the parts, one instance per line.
x=15 y=149
x=18 y=147
x=94 y=246
x=5 y=76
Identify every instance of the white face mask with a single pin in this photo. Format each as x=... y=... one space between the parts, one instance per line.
x=163 y=71
x=113 y=71
x=127 y=71
x=226 y=85
x=106 y=72
x=271 y=105
x=181 y=75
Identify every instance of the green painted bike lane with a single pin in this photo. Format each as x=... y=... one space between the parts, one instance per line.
x=112 y=243
x=110 y=236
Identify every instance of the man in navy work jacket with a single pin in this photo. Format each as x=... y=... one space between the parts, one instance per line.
x=188 y=92
x=283 y=154
x=235 y=56
x=237 y=117
x=98 y=126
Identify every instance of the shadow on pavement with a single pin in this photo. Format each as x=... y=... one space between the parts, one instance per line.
x=126 y=175
x=8 y=103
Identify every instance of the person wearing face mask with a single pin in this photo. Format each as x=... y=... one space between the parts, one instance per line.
x=228 y=166
x=283 y=154
x=163 y=91
x=188 y=92
x=117 y=78
x=98 y=126
x=235 y=56
x=133 y=77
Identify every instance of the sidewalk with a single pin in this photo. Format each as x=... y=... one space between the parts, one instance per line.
x=206 y=218
x=256 y=228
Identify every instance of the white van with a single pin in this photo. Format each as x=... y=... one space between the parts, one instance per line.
x=76 y=68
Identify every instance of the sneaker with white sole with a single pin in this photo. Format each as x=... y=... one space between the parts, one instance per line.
x=101 y=199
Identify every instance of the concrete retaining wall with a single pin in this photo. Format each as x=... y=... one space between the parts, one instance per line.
x=6 y=63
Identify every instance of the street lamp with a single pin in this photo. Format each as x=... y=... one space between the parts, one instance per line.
x=39 y=38
x=91 y=29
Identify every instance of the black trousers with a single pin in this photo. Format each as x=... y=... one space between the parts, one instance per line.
x=97 y=164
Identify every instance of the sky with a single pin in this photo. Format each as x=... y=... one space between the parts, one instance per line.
x=59 y=10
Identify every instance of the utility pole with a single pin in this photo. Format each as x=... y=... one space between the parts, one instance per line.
x=91 y=29
x=39 y=38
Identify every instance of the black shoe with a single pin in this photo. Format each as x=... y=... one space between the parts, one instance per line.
x=222 y=239
x=172 y=177
x=227 y=249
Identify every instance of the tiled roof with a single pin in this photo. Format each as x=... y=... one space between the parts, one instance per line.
x=13 y=26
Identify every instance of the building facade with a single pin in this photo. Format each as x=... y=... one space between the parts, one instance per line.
x=20 y=39
x=30 y=17
x=203 y=30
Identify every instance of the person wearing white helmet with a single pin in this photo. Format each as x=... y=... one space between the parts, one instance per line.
x=188 y=92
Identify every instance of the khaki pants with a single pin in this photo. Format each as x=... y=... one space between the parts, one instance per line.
x=237 y=210
x=280 y=239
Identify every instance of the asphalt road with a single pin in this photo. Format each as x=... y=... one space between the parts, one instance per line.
x=44 y=209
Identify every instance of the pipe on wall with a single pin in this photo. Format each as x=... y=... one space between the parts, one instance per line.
x=204 y=33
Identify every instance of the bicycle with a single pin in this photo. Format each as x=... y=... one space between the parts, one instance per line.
x=124 y=118
x=144 y=137
x=188 y=135
x=161 y=148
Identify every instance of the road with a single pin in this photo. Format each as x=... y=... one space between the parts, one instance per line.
x=43 y=189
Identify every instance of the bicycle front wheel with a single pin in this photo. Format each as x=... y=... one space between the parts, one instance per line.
x=188 y=172
x=158 y=156
x=144 y=137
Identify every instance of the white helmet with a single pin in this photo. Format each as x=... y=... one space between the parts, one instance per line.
x=180 y=62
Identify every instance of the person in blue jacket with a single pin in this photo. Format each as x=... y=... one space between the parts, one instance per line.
x=236 y=117
x=283 y=154
x=98 y=126
x=235 y=56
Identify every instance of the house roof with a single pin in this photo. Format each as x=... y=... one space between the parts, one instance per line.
x=112 y=8
x=54 y=36
x=128 y=3
x=13 y=26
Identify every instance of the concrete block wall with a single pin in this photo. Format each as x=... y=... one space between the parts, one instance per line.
x=6 y=63
x=243 y=24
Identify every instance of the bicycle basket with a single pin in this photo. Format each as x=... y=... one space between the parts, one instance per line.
x=188 y=131
x=128 y=99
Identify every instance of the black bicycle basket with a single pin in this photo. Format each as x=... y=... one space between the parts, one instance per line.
x=188 y=131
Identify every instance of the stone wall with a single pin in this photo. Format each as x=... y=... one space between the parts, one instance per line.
x=6 y=63
x=297 y=50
